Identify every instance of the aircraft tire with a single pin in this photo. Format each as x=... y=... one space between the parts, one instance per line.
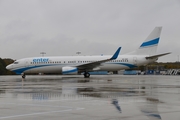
x=86 y=75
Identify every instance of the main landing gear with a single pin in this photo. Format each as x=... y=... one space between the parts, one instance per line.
x=86 y=75
x=23 y=75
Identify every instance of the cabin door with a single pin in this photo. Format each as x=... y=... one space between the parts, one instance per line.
x=26 y=64
x=135 y=60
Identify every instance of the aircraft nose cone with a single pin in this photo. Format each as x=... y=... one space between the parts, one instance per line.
x=9 y=67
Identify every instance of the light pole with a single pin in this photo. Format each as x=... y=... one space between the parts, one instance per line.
x=178 y=62
x=78 y=53
x=43 y=53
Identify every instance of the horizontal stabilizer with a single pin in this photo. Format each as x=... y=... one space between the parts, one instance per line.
x=156 y=56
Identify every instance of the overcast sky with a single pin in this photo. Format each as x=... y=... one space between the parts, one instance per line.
x=93 y=27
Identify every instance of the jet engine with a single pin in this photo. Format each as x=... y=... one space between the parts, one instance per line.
x=69 y=70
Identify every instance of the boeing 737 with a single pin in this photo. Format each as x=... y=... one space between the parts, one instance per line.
x=144 y=55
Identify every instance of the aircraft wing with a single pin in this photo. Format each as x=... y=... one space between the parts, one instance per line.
x=93 y=65
x=156 y=56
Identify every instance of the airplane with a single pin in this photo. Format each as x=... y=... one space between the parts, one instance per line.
x=144 y=55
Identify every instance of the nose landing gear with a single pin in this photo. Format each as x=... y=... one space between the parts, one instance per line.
x=23 y=75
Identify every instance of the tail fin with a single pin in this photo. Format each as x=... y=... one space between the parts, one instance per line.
x=149 y=46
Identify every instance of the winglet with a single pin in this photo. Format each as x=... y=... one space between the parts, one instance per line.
x=116 y=54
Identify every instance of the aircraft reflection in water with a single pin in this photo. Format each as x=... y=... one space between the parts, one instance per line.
x=150 y=108
x=69 y=91
x=152 y=115
x=151 y=111
x=115 y=103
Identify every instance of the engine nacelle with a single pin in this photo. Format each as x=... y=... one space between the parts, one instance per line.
x=69 y=70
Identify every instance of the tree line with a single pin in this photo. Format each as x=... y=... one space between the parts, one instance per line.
x=3 y=64
x=159 y=66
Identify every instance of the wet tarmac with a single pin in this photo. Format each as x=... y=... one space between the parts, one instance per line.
x=109 y=97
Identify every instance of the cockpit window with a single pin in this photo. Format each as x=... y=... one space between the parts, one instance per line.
x=16 y=62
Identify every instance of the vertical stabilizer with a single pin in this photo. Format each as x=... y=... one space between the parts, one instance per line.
x=149 y=46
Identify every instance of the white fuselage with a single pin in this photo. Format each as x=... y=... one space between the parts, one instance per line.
x=55 y=64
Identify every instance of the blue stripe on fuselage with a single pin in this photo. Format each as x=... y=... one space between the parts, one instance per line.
x=21 y=70
x=125 y=64
x=128 y=65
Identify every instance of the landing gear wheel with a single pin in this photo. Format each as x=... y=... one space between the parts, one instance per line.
x=86 y=75
x=23 y=75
